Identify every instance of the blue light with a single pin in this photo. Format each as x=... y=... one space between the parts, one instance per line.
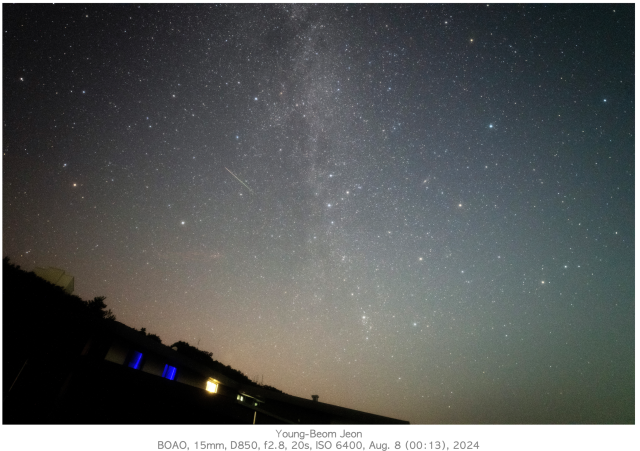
x=169 y=372
x=136 y=357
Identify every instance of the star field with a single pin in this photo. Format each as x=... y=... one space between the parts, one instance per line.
x=420 y=211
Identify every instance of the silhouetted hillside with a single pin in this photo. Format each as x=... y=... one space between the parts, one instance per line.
x=41 y=318
x=206 y=358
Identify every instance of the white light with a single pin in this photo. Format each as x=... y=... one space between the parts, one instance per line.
x=212 y=387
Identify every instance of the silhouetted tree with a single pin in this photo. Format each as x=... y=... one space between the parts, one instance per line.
x=41 y=319
x=97 y=307
x=154 y=337
x=44 y=305
x=193 y=352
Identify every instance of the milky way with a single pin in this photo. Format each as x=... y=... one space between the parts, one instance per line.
x=437 y=217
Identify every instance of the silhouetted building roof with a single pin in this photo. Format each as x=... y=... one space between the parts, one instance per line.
x=119 y=375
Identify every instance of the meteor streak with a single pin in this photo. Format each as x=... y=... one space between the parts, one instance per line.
x=245 y=185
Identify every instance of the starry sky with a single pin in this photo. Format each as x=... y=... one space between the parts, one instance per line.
x=420 y=211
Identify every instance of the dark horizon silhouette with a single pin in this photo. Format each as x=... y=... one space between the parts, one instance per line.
x=96 y=365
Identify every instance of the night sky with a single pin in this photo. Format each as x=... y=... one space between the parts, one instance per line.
x=433 y=215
